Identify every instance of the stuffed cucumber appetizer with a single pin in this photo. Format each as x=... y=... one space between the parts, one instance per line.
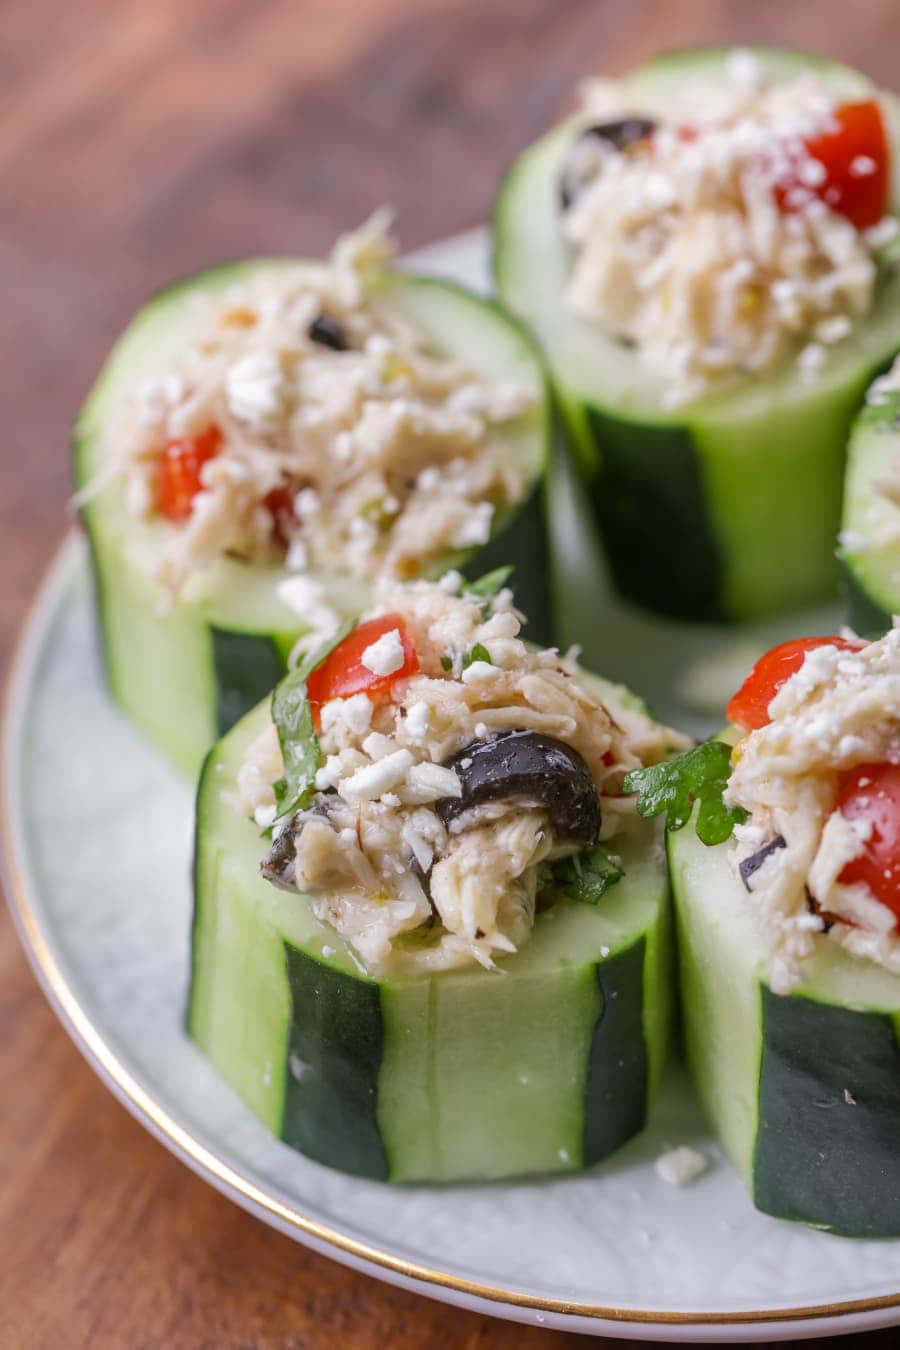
x=453 y=919
x=704 y=251
x=266 y=440
x=870 y=538
x=787 y=895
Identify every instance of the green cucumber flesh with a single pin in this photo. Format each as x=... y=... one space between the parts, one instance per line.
x=418 y=1078
x=184 y=672
x=872 y=567
x=726 y=508
x=803 y=1089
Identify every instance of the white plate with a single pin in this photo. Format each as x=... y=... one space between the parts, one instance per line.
x=97 y=836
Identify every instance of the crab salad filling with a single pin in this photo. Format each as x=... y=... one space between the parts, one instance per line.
x=819 y=850
x=721 y=229
x=454 y=780
x=310 y=421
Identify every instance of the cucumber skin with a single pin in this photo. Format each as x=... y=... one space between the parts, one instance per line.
x=648 y=497
x=864 y=613
x=819 y=1158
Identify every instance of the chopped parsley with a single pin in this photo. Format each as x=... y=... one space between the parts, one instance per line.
x=478 y=653
x=587 y=876
x=446 y=663
x=698 y=775
x=488 y=587
x=292 y=715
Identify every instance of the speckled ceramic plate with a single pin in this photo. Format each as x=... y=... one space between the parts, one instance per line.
x=97 y=851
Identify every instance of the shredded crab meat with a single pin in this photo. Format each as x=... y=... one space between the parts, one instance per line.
x=681 y=250
x=392 y=456
x=365 y=846
x=840 y=710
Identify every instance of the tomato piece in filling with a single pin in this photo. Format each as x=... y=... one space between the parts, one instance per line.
x=871 y=793
x=749 y=708
x=178 y=477
x=344 y=673
x=854 y=157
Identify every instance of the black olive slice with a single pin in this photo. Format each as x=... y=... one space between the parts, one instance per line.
x=750 y=866
x=621 y=136
x=528 y=765
x=328 y=333
x=278 y=864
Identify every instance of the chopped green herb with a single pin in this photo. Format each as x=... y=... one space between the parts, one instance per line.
x=478 y=653
x=446 y=663
x=587 y=876
x=488 y=587
x=292 y=715
x=698 y=775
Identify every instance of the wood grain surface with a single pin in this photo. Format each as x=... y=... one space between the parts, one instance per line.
x=139 y=141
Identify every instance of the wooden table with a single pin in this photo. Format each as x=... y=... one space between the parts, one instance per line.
x=138 y=141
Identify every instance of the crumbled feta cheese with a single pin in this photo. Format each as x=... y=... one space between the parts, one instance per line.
x=265 y=816
x=368 y=783
x=743 y=68
x=476 y=528
x=862 y=166
x=811 y=359
x=353 y=713
x=307 y=502
x=328 y=775
x=834 y=329
x=306 y=597
x=428 y=782
x=418 y=720
x=681 y=1166
x=479 y=671
x=885 y=232
x=450 y=582
x=385 y=655
x=254 y=388
x=377 y=745
x=297 y=557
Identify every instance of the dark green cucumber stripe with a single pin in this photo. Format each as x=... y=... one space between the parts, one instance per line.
x=820 y=1153
x=864 y=614
x=247 y=668
x=522 y=545
x=616 y=1092
x=335 y=1045
x=652 y=507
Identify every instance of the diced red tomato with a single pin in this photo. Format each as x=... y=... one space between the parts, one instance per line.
x=872 y=793
x=178 y=476
x=280 y=505
x=856 y=160
x=343 y=674
x=749 y=708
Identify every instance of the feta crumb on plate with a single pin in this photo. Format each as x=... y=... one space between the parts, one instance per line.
x=681 y=1166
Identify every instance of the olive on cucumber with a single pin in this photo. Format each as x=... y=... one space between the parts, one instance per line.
x=726 y=507
x=184 y=672
x=545 y=1066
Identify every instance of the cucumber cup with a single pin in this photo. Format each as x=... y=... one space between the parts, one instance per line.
x=803 y=1089
x=725 y=508
x=785 y=885
x=185 y=671
x=406 y=1060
